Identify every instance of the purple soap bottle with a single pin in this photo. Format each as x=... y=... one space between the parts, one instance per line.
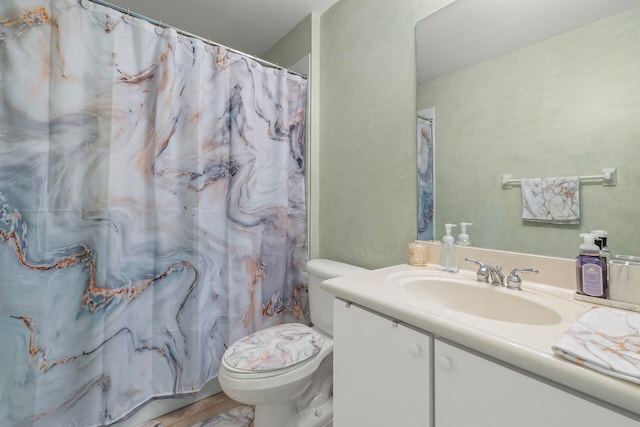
x=591 y=269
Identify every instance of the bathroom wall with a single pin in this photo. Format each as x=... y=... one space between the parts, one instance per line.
x=368 y=200
x=295 y=45
x=362 y=162
x=565 y=106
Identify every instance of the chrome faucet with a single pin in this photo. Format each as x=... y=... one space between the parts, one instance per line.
x=486 y=272
x=497 y=278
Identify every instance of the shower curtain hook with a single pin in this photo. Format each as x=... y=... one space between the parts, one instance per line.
x=159 y=30
x=127 y=18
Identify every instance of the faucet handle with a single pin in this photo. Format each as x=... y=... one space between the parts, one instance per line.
x=482 y=275
x=514 y=281
x=479 y=263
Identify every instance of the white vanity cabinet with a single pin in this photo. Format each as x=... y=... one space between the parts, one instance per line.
x=382 y=371
x=473 y=391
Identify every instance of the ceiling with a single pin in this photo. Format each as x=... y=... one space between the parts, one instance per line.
x=468 y=32
x=250 y=26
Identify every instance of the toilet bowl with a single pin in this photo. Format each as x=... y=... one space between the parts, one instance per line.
x=286 y=371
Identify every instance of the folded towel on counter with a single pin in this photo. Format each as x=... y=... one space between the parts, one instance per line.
x=605 y=340
x=551 y=200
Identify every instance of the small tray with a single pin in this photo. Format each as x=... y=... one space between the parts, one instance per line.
x=607 y=302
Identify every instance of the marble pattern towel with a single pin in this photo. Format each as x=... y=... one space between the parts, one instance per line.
x=551 y=200
x=605 y=340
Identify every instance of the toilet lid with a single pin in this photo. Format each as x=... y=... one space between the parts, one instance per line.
x=274 y=348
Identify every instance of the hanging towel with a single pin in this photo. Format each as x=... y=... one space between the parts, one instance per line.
x=605 y=340
x=551 y=200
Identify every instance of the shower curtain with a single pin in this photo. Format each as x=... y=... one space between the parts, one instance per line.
x=152 y=210
x=426 y=188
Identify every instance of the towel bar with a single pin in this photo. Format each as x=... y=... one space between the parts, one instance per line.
x=609 y=178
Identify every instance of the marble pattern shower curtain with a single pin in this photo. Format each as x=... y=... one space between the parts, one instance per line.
x=426 y=205
x=152 y=210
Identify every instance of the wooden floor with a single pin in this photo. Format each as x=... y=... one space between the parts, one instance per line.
x=195 y=413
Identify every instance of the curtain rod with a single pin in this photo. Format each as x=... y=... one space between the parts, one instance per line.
x=429 y=119
x=131 y=13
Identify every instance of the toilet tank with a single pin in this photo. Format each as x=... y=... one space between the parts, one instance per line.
x=321 y=302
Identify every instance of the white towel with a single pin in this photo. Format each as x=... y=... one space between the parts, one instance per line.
x=605 y=340
x=551 y=200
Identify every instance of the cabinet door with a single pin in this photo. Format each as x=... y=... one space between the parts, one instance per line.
x=472 y=391
x=381 y=371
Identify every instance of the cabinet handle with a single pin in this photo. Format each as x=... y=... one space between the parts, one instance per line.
x=444 y=363
x=414 y=349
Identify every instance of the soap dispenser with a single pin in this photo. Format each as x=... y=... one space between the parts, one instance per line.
x=601 y=242
x=463 y=237
x=448 y=260
x=591 y=269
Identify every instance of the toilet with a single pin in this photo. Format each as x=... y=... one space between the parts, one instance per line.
x=286 y=371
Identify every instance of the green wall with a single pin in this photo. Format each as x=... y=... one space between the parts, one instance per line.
x=362 y=162
x=368 y=204
x=565 y=106
x=362 y=138
x=292 y=47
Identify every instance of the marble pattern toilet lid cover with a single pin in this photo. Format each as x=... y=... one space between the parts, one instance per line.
x=274 y=348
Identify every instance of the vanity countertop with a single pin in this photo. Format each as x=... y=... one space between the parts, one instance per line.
x=525 y=346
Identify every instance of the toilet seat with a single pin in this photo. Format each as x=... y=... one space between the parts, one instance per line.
x=272 y=351
x=248 y=384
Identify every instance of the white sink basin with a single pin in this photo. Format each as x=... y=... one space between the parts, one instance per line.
x=465 y=295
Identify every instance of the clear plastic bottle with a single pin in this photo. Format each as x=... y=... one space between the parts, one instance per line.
x=448 y=258
x=463 y=237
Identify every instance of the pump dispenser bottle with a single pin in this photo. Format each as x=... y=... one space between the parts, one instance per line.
x=448 y=259
x=601 y=237
x=591 y=269
x=463 y=237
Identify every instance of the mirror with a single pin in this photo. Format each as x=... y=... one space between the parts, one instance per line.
x=533 y=88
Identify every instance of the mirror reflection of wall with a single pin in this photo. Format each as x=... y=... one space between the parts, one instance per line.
x=567 y=105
